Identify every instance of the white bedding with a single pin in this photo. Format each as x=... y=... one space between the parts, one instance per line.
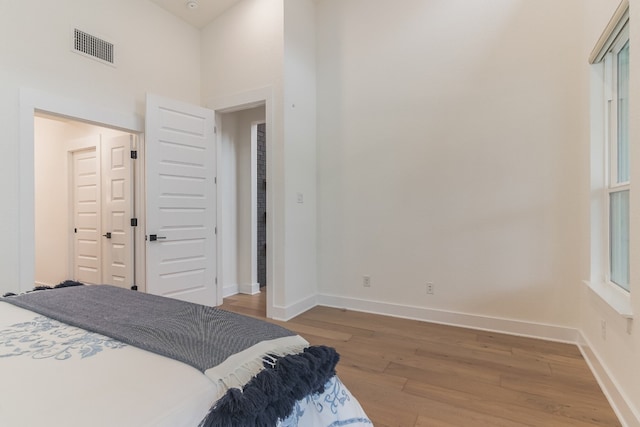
x=54 y=374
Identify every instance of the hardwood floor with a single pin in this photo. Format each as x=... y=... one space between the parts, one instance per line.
x=411 y=373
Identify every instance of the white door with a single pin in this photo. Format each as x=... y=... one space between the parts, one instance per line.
x=181 y=194
x=86 y=216
x=117 y=232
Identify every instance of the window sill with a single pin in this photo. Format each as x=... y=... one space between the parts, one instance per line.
x=617 y=299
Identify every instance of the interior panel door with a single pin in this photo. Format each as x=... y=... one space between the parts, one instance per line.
x=181 y=200
x=86 y=212
x=117 y=236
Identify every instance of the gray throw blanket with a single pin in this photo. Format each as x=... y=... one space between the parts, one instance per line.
x=200 y=336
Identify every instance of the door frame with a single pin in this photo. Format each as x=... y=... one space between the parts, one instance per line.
x=230 y=104
x=32 y=102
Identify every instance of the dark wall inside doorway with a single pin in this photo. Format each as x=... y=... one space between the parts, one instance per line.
x=262 y=205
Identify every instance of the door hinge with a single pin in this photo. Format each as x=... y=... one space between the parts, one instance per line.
x=134 y=222
x=215 y=179
x=134 y=154
x=215 y=230
x=216 y=280
x=215 y=129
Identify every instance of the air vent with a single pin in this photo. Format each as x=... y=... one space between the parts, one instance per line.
x=93 y=47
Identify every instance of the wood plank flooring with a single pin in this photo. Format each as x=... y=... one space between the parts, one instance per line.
x=411 y=373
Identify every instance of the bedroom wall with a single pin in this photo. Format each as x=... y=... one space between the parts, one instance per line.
x=256 y=45
x=300 y=153
x=156 y=52
x=447 y=141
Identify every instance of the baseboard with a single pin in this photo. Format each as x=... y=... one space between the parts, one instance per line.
x=287 y=313
x=251 y=289
x=485 y=323
x=38 y=283
x=229 y=290
x=619 y=402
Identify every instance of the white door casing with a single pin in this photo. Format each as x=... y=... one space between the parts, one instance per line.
x=181 y=201
x=117 y=232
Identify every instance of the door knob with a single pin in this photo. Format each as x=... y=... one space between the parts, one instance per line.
x=108 y=235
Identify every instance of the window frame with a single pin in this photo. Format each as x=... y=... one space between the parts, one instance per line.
x=612 y=144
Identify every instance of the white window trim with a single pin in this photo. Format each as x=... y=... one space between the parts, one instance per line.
x=610 y=33
x=616 y=297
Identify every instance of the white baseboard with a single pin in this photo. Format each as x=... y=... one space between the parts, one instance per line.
x=38 y=283
x=619 y=402
x=485 y=323
x=229 y=290
x=287 y=313
x=251 y=289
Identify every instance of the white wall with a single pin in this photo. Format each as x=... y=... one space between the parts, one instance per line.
x=447 y=136
x=242 y=49
x=615 y=354
x=156 y=52
x=300 y=152
x=261 y=44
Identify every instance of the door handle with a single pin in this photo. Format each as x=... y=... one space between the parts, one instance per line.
x=154 y=237
x=108 y=235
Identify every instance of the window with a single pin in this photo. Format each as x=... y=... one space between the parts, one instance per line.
x=617 y=144
x=610 y=163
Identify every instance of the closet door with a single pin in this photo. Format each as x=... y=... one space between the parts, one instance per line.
x=117 y=189
x=86 y=216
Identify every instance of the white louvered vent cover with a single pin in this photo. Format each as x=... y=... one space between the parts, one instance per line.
x=93 y=47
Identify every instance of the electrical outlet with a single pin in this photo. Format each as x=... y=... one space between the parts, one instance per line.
x=431 y=288
x=366 y=281
x=603 y=329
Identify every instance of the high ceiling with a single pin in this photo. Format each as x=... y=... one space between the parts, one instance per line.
x=196 y=12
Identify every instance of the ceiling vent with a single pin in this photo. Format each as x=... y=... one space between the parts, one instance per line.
x=93 y=47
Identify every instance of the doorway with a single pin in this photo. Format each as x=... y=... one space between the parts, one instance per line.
x=244 y=237
x=34 y=103
x=84 y=181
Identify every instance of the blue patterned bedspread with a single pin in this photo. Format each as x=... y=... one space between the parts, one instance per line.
x=336 y=407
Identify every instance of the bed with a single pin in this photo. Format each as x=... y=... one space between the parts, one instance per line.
x=105 y=356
